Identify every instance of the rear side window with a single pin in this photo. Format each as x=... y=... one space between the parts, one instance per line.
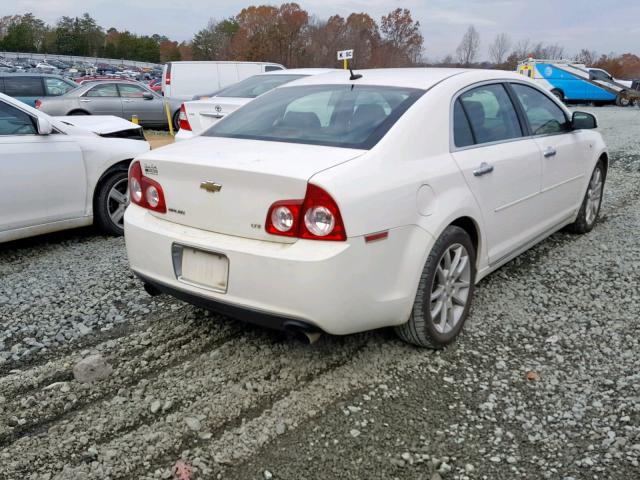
x=272 y=68
x=23 y=86
x=491 y=114
x=257 y=85
x=108 y=90
x=56 y=86
x=544 y=116
x=15 y=122
x=462 y=135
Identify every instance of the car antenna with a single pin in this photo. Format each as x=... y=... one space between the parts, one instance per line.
x=354 y=76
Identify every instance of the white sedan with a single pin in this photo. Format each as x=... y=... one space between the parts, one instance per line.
x=341 y=203
x=56 y=175
x=198 y=115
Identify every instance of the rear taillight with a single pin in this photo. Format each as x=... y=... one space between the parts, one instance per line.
x=167 y=77
x=144 y=191
x=184 y=121
x=316 y=217
x=38 y=103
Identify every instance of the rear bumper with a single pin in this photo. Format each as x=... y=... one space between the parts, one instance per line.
x=256 y=317
x=336 y=287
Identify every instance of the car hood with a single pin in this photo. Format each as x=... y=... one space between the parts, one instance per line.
x=100 y=124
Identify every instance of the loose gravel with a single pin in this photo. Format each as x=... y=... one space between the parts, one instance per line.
x=543 y=383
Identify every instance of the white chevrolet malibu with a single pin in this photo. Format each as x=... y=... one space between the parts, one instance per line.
x=341 y=203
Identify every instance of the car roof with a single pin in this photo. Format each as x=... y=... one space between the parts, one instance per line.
x=300 y=71
x=423 y=78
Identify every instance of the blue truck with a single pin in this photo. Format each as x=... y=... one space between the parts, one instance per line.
x=575 y=83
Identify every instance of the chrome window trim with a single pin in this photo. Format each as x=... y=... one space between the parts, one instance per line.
x=504 y=82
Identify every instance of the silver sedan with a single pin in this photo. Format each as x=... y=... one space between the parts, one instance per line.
x=113 y=97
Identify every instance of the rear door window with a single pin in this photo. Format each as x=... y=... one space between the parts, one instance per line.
x=23 y=86
x=462 y=134
x=491 y=114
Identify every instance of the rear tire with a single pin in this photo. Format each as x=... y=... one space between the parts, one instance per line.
x=558 y=94
x=79 y=112
x=110 y=201
x=590 y=208
x=622 y=100
x=445 y=292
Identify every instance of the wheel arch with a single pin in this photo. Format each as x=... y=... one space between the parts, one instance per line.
x=122 y=165
x=77 y=111
x=470 y=226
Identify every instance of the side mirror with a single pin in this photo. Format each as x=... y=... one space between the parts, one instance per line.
x=583 y=121
x=44 y=126
x=148 y=96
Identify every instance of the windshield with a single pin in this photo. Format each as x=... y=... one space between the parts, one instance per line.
x=257 y=85
x=350 y=116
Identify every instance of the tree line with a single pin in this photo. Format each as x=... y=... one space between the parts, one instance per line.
x=506 y=54
x=289 y=35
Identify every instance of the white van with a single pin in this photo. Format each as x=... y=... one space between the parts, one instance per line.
x=183 y=80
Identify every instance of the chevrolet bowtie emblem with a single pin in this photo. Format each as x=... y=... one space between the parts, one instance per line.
x=212 y=187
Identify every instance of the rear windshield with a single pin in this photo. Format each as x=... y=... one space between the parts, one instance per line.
x=350 y=116
x=253 y=86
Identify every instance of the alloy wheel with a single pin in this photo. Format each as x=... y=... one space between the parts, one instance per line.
x=594 y=195
x=450 y=289
x=117 y=202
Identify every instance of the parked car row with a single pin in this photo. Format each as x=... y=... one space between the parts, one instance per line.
x=75 y=69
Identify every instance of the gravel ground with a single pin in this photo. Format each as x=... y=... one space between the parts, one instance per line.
x=544 y=382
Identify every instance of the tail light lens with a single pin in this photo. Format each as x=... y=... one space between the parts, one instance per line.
x=184 y=121
x=316 y=217
x=38 y=103
x=144 y=191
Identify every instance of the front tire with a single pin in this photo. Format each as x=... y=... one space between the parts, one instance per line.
x=590 y=208
x=110 y=202
x=445 y=292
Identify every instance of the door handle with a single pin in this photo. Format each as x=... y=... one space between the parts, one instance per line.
x=127 y=101
x=549 y=152
x=85 y=100
x=483 y=169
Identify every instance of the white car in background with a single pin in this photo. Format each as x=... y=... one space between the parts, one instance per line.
x=343 y=203
x=62 y=172
x=198 y=115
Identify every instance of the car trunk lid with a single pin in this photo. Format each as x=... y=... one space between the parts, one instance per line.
x=204 y=113
x=227 y=185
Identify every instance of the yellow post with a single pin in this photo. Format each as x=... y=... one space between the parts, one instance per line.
x=169 y=120
x=345 y=63
x=134 y=119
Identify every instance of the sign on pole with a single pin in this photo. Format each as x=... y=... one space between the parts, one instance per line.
x=345 y=55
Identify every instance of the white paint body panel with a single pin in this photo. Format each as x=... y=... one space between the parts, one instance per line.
x=413 y=183
x=47 y=182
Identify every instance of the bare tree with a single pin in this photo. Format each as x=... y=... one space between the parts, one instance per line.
x=467 y=51
x=587 y=57
x=522 y=49
x=499 y=48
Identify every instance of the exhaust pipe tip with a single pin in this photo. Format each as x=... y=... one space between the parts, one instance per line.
x=303 y=332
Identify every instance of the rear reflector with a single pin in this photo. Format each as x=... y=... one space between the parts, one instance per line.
x=376 y=236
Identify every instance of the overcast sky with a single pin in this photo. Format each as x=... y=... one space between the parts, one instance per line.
x=602 y=25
